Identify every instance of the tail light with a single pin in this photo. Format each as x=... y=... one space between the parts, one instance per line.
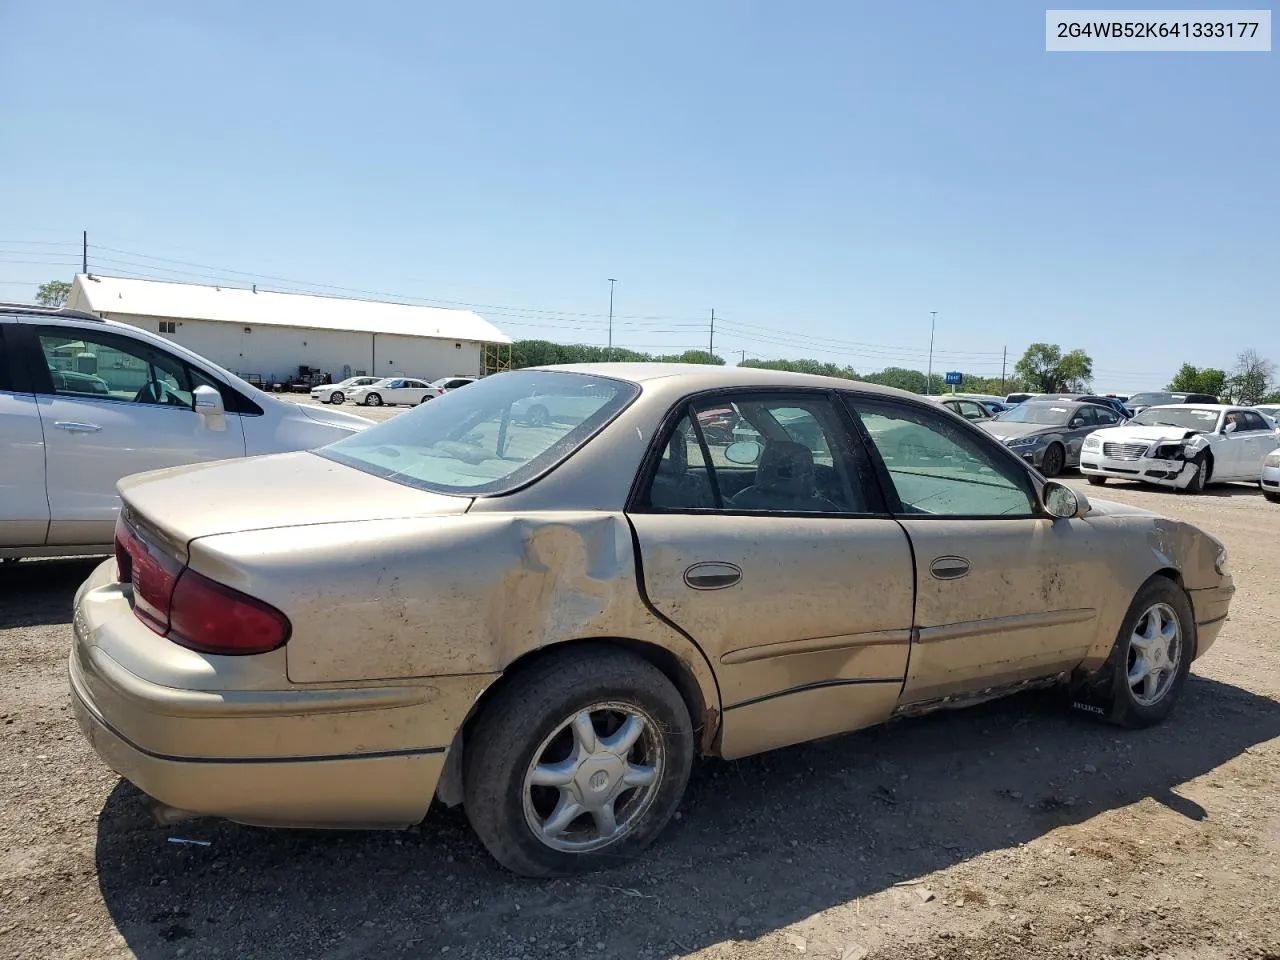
x=189 y=608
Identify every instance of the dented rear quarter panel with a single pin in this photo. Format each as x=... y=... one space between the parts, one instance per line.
x=439 y=596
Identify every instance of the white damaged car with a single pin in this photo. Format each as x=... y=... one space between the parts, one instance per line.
x=1182 y=446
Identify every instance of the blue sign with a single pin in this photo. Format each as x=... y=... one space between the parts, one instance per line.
x=955 y=379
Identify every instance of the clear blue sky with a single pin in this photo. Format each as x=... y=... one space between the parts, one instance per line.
x=823 y=174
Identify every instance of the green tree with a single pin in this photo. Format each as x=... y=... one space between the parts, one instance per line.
x=1252 y=378
x=55 y=293
x=692 y=356
x=1191 y=379
x=1046 y=369
x=817 y=367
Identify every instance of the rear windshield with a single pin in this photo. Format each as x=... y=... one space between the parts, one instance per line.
x=1151 y=399
x=490 y=439
x=1040 y=411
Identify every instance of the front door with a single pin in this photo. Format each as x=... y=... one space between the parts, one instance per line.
x=1002 y=590
x=114 y=406
x=776 y=557
x=1254 y=439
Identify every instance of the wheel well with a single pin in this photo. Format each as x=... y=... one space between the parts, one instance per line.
x=1169 y=573
x=449 y=789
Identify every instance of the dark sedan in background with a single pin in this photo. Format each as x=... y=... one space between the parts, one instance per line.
x=1049 y=433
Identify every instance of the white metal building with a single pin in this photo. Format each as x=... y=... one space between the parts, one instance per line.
x=271 y=335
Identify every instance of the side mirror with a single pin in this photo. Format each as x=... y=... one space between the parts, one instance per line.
x=1063 y=503
x=208 y=403
x=743 y=452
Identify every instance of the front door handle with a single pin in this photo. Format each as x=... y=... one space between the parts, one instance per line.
x=949 y=568
x=712 y=575
x=71 y=426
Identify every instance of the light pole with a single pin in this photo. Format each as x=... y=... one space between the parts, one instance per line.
x=928 y=381
x=609 y=351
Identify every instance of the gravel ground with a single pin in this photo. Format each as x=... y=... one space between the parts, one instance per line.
x=1011 y=830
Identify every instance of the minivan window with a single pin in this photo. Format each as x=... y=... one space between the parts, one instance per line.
x=492 y=438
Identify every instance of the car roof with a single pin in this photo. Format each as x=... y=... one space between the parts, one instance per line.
x=698 y=376
x=52 y=313
x=1219 y=407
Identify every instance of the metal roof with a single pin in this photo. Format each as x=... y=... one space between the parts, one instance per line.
x=188 y=301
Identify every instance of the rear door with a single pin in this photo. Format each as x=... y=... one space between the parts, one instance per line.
x=24 y=503
x=144 y=421
x=1257 y=439
x=777 y=558
x=1004 y=593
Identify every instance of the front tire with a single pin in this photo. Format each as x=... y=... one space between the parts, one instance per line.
x=1096 y=481
x=578 y=763
x=1200 y=478
x=1152 y=654
x=373 y=400
x=1055 y=458
x=1273 y=497
x=337 y=397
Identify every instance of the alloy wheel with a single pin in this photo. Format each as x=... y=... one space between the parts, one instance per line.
x=1155 y=654
x=594 y=777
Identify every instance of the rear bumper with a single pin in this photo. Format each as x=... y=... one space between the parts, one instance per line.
x=211 y=744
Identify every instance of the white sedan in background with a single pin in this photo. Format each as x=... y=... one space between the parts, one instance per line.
x=1270 y=481
x=1182 y=446
x=336 y=392
x=445 y=384
x=392 y=391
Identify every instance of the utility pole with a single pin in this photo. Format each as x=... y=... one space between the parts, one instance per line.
x=928 y=382
x=1004 y=359
x=84 y=252
x=711 y=344
x=609 y=352
x=744 y=356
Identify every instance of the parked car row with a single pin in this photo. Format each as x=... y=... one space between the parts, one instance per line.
x=387 y=391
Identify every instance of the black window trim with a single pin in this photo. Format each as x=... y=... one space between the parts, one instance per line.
x=41 y=382
x=636 y=497
x=1027 y=478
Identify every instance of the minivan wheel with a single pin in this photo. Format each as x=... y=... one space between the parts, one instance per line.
x=1152 y=654
x=578 y=763
x=373 y=400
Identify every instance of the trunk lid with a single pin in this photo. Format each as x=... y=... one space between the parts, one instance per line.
x=280 y=490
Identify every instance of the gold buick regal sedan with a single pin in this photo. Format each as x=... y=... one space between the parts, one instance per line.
x=543 y=596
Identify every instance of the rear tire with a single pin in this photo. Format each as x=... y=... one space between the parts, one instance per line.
x=538 y=416
x=1158 y=632
x=1054 y=459
x=1097 y=481
x=528 y=763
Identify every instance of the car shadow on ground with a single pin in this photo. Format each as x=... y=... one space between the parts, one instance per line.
x=760 y=843
x=35 y=593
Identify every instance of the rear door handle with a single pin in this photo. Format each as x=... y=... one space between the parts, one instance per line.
x=949 y=568
x=71 y=426
x=712 y=575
